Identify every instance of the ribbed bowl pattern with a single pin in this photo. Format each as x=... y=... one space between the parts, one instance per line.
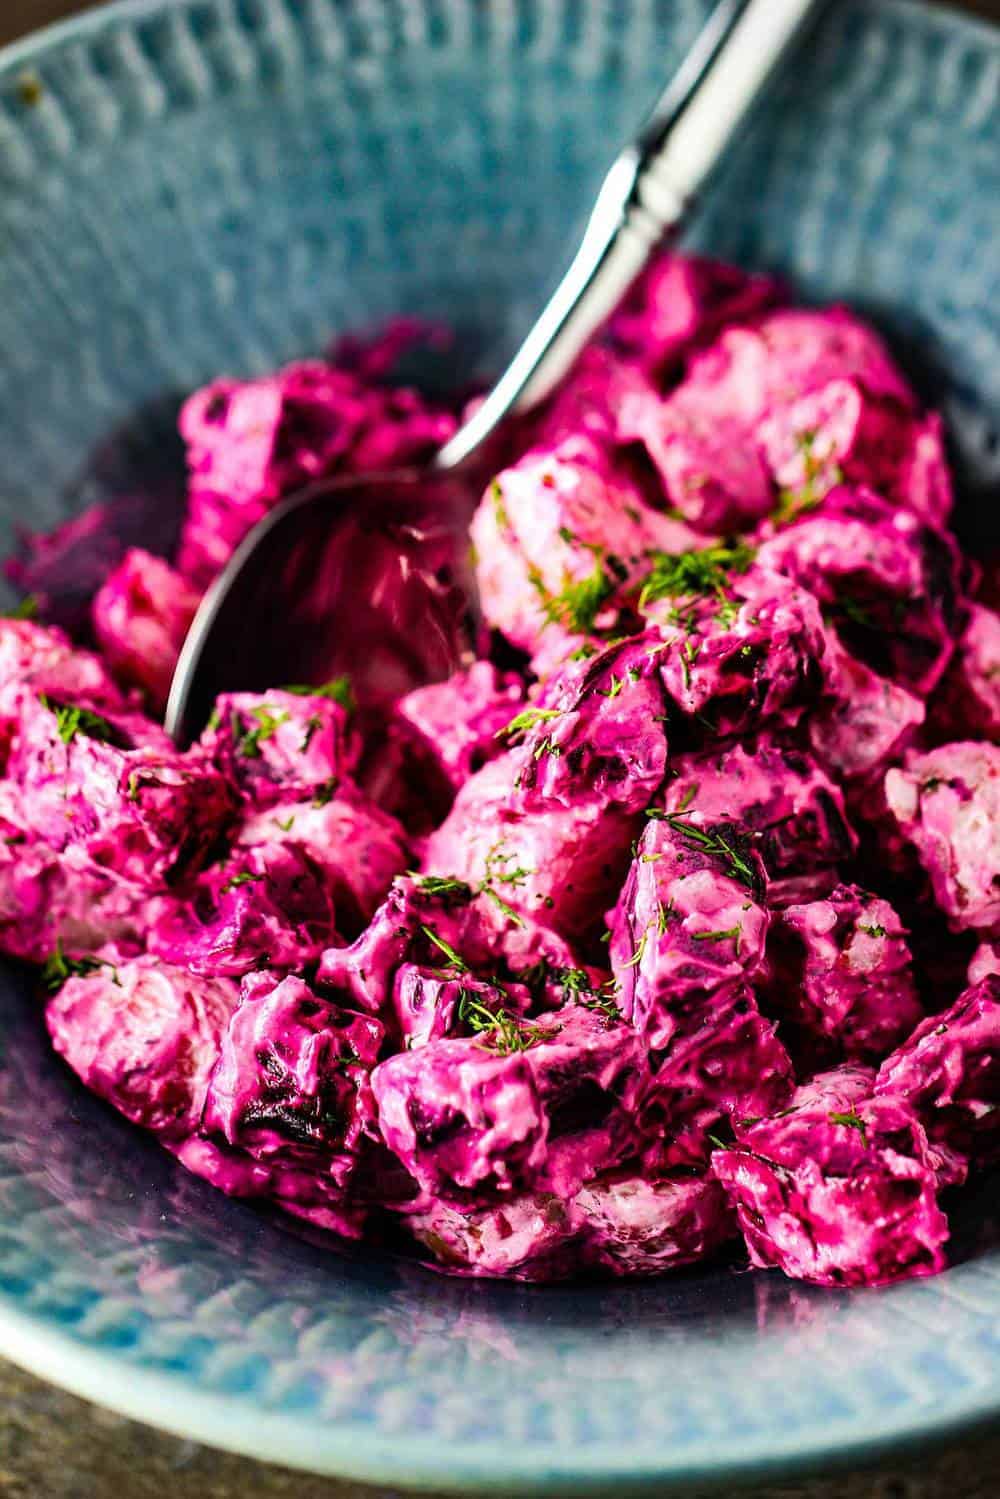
x=218 y=185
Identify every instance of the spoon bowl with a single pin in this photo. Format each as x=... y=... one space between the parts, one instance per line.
x=365 y=576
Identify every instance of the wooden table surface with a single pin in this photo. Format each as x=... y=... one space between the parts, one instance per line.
x=53 y=1446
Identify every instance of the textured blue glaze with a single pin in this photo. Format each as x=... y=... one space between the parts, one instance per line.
x=221 y=184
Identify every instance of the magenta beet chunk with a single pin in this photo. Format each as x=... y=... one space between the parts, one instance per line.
x=144 y=1035
x=949 y=1071
x=469 y=1119
x=838 y=1198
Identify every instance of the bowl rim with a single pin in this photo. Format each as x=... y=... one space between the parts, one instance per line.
x=170 y=1402
x=931 y=14
x=346 y=1451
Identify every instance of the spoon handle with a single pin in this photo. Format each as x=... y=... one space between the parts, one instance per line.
x=646 y=194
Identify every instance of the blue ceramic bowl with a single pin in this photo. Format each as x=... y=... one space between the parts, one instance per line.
x=218 y=185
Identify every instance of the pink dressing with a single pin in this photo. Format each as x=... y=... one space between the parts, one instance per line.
x=616 y=947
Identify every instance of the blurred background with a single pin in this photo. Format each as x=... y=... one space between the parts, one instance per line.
x=18 y=16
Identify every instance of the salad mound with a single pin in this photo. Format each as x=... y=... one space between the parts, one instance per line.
x=642 y=937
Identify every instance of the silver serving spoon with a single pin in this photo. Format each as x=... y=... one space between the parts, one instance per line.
x=367 y=575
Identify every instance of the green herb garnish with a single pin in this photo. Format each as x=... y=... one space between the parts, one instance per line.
x=312 y=728
x=702 y=572
x=58 y=968
x=455 y=959
x=508 y=1034
x=29 y=608
x=872 y=931
x=721 y=843
x=688 y=797
x=338 y=690
x=806 y=496
x=640 y=950
x=243 y=878
x=727 y=935
x=499 y=507
x=580 y=600
x=268 y=723
x=525 y=721
x=71 y=720
x=442 y=884
x=851 y=1120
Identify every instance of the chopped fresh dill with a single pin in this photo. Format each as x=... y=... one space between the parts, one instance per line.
x=851 y=1120
x=502 y=905
x=804 y=497
x=523 y=722
x=580 y=600
x=640 y=951
x=442 y=884
x=573 y=982
x=723 y=843
x=505 y=876
x=615 y=686
x=499 y=507
x=58 y=968
x=312 y=728
x=325 y=793
x=727 y=935
x=245 y=877
x=286 y=825
x=268 y=724
x=604 y=1004
x=337 y=690
x=455 y=959
x=507 y=1033
x=872 y=931
x=29 y=608
x=687 y=798
x=71 y=720
x=546 y=746
x=700 y=572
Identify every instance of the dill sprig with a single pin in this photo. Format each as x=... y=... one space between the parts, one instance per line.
x=337 y=690
x=455 y=959
x=71 y=720
x=269 y=721
x=507 y=1033
x=721 y=842
x=806 y=496
x=701 y=572
x=580 y=600
x=523 y=722
x=29 y=608
x=245 y=877
x=58 y=968
x=496 y=872
x=851 y=1119
x=443 y=885
x=732 y=932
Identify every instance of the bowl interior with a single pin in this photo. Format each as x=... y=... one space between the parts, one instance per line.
x=219 y=185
